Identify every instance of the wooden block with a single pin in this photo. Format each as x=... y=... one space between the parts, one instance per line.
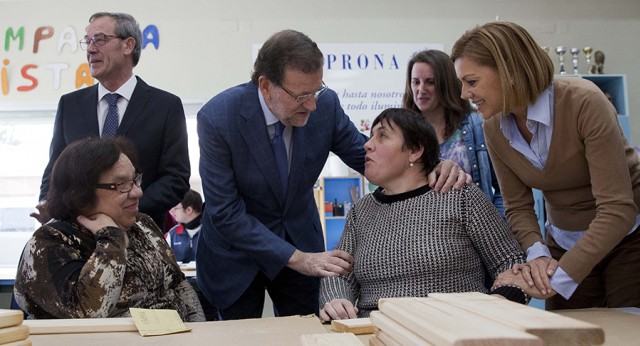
x=396 y=331
x=385 y=339
x=81 y=325
x=10 y=318
x=25 y=342
x=444 y=324
x=341 y=339
x=356 y=326
x=15 y=333
x=552 y=328
x=374 y=341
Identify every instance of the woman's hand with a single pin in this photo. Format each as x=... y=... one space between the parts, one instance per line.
x=338 y=309
x=508 y=278
x=96 y=222
x=448 y=174
x=537 y=272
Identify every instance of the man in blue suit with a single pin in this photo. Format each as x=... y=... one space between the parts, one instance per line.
x=151 y=118
x=260 y=227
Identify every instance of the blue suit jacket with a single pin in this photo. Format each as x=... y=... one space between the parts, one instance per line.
x=245 y=217
x=154 y=121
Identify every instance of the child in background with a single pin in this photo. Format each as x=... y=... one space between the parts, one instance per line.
x=183 y=237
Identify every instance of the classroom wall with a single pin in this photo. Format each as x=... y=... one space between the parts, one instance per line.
x=205 y=45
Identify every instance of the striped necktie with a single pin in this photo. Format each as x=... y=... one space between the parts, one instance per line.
x=111 y=123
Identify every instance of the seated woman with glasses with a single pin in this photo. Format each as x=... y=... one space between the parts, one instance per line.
x=408 y=240
x=99 y=256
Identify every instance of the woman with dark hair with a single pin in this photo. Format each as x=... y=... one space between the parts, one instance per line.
x=408 y=240
x=433 y=89
x=560 y=136
x=99 y=256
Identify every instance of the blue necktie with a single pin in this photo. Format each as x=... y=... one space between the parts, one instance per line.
x=280 y=152
x=110 y=126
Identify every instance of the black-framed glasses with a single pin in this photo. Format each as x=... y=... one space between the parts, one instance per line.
x=98 y=40
x=124 y=186
x=306 y=97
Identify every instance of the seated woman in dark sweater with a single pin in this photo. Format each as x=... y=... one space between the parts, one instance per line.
x=99 y=256
x=408 y=240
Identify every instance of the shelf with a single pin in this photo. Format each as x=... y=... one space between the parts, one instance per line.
x=332 y=189
x=616 y=86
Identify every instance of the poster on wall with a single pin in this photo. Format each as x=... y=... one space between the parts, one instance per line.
x=368 y=77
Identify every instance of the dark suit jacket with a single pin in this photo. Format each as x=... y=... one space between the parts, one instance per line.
x=154 y=121
x=245 y=218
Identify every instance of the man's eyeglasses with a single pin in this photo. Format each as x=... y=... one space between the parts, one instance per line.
x=98 y=40
x=124 y=186
x=304 y=98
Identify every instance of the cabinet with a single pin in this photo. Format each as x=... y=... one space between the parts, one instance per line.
x=614 y=85
x=341 y=190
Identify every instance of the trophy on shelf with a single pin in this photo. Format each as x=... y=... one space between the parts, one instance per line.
x=574 y=59
x=560 y=50
x=587 y=54
x=599 y=58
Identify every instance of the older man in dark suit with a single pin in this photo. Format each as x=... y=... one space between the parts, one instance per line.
x=263 y=145
x=124 y=105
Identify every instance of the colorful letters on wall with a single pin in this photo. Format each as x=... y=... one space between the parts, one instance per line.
x=21 y=45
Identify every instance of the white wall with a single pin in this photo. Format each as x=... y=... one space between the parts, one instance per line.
x=206 y=44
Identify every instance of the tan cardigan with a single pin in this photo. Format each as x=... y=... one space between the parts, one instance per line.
x=591 y=180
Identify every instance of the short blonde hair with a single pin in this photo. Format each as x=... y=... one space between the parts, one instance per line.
x=525 y=70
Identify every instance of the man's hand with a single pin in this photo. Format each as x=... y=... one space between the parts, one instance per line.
x=42 y=215
x=328 y=263
x=448 y=174
x=338 y=309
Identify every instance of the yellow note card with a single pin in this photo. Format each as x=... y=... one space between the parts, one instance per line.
x=157 y=321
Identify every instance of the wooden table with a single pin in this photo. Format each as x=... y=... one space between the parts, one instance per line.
x=622 y=327
x=261 y=331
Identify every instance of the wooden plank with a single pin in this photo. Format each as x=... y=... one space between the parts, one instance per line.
x=396 y=331
x=15 y=333
x=81 y=325
x=25 y=342
x=356 y=326
x=444 y=324
x=386 y=340
x=375 y=341
x=341 y=339
x=10 y=318
x=550 y=327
